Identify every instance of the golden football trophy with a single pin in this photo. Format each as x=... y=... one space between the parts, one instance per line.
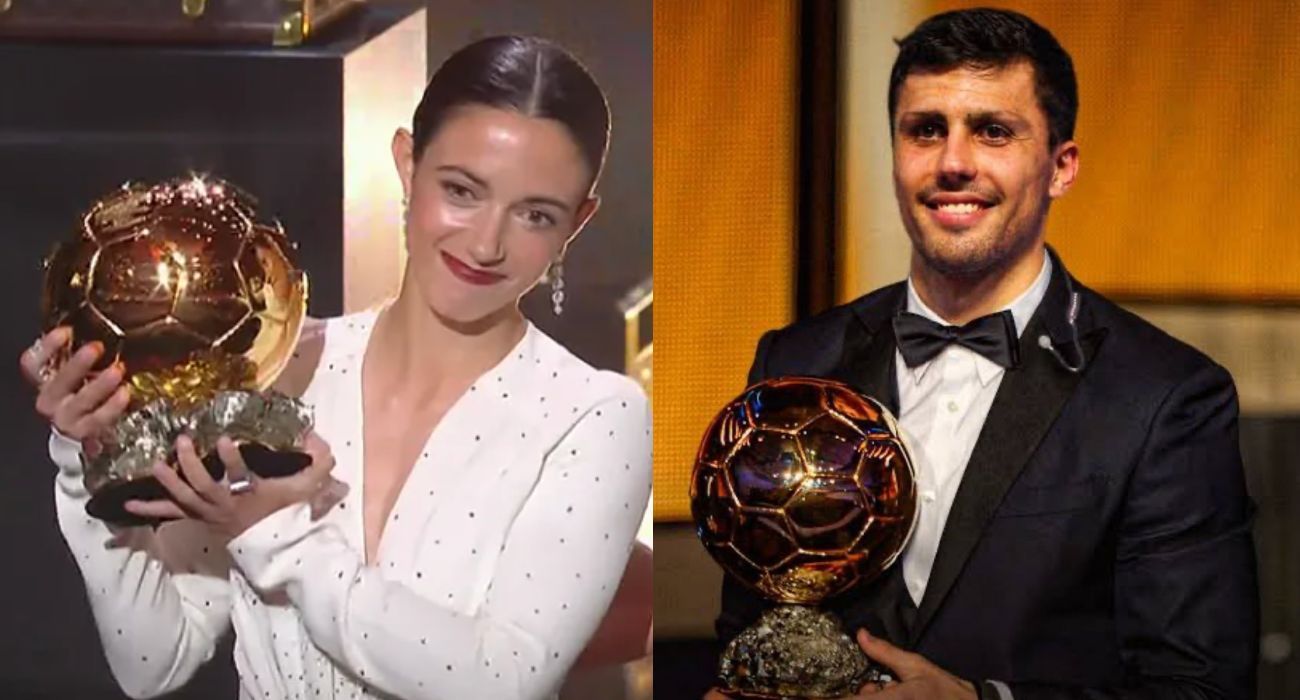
x=203 y=307
x=802 y=489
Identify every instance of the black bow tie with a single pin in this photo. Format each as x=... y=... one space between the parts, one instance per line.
x=993 y=336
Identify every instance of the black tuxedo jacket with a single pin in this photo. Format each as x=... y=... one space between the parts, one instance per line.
x=1099 y=544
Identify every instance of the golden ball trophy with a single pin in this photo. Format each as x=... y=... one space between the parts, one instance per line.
x=203 y=306
x=802 y=489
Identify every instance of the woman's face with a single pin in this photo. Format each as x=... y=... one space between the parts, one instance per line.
x=492 y=202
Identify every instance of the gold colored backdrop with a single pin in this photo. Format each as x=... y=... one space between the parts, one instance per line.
x=1187 y=137
x=724 y=119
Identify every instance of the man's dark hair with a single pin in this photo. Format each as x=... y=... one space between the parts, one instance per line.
x=985 y=39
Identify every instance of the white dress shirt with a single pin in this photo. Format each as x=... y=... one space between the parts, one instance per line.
x=942 y=407
x=500 y=556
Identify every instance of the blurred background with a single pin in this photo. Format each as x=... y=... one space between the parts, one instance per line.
x=306 y=129
x=773 y=200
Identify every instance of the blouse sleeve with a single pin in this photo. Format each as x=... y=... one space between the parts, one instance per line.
x=161 y=600
x=557 y=573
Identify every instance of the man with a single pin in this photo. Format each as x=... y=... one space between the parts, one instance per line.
x=1083 y=529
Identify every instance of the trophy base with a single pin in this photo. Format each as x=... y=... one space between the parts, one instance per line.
x=794 y=651
x=109 y=502
x=273 y=464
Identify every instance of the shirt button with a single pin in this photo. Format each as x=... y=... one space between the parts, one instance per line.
x=927 y=496
x=952 y=406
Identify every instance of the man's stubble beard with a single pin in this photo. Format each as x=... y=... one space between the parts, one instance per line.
x=982 y=259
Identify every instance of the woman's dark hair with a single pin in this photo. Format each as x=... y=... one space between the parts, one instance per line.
x=531 y=76
x=983 y=38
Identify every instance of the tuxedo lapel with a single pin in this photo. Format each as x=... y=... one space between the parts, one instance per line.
x=1027 y=403
x=867 y=364
x=867 y=361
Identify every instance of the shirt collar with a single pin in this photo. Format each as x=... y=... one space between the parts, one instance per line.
x=1022 y=309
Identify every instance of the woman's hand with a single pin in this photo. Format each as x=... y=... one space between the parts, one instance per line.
x=232 y=511
x=78 y=409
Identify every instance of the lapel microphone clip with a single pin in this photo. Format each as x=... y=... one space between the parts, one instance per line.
x=1071 y=315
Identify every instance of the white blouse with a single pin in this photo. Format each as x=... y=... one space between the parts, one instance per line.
x=499 y=558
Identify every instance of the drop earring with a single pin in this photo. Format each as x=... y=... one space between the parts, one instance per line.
x=404 y=225
x=557 y=287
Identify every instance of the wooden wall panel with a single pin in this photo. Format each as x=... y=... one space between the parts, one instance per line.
x=724 y=119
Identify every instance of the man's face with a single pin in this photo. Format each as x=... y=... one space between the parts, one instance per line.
x=972 y=170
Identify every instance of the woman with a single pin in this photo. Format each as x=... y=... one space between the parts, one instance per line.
x=496 y=481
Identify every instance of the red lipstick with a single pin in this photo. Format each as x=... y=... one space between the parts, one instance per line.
x=470 y=275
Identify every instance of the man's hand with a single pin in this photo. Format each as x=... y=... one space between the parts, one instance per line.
x=918 y=679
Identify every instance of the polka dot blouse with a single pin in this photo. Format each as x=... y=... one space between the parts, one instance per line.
x=501 y=554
